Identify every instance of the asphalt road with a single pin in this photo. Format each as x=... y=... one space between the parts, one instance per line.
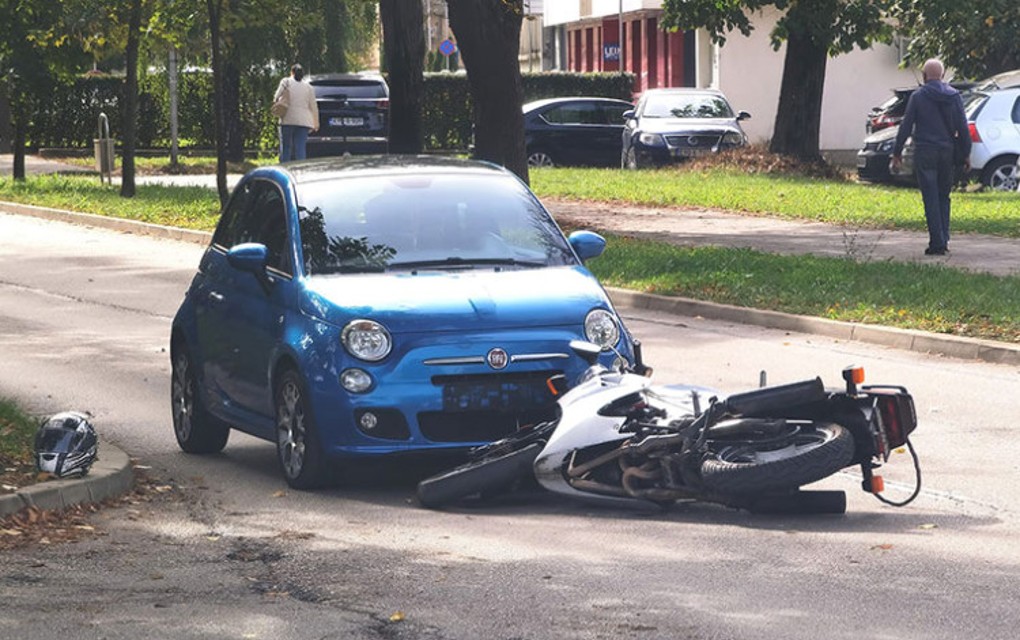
x=84 y=320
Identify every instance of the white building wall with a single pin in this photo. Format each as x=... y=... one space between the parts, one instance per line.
x=750 y=74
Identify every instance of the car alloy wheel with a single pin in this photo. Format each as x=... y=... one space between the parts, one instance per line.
x=197 y=431
x=1003 y=176
x=296 y=445
x=540 y=159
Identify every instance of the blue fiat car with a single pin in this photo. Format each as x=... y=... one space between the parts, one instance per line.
x=372 y=306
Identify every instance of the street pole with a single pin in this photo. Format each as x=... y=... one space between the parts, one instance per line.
x=620 y=36
x=172 y=87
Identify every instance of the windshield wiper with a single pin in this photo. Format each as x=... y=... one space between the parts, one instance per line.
x=456 y=262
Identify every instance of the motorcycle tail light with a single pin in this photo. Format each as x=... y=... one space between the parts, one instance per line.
x=896 y=415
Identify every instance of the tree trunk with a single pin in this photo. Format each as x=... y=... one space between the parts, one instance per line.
x=233 y=131
x=334 y=16
x=404 y=48
x=488 y=36
x=130 y=124
x=18 y=170
x=799 y=118
x=215 y=8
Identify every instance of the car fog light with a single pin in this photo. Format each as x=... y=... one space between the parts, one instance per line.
x=355 y=380
x=368 y=421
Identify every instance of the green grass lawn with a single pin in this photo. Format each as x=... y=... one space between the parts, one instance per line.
x=847 y=203
x=17 y=435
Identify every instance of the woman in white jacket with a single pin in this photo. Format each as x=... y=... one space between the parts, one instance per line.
x=302 y=115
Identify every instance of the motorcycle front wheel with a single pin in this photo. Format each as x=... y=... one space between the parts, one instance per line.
x=486 y=474
x=816 y=451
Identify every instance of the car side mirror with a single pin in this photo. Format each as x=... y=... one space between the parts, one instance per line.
x=628 y=114
x=252 y=258
x=587 y=244
x=743 y=115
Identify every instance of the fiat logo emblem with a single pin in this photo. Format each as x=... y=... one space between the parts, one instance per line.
x=497 y=358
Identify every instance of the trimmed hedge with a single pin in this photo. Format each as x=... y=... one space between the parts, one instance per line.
x=69 y=119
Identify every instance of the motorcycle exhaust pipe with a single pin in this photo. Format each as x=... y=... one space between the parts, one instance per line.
x=768 y=400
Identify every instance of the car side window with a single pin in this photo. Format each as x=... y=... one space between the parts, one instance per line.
x=579 y=113
x=256 y=213
x=233 y=216
x=611 y=114
x=266 y=223
x=1016 y=111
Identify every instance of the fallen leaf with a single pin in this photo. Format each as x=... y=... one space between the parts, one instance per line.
x=279 y=494
x=84 y=527
x=212 y=538
x=397 y=617
x=882 y=547
x=929 y=525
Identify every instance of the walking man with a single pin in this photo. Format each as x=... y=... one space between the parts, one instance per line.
x=936 y=119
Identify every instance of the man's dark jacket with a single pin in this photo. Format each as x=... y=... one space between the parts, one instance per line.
x=935 y=117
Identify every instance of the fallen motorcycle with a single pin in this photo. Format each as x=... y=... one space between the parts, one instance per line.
x=620 y=440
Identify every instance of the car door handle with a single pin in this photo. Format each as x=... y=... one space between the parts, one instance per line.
x=216 y=297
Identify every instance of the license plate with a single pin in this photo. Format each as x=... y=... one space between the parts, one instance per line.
x=493 y=396
x=688 y=153
x=347 y=122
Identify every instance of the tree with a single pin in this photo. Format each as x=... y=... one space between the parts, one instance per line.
x=977 y=39
x=813 y=30
x=34 y=57
x=404 y=48
x=488 y=35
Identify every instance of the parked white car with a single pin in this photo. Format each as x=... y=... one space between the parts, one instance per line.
x=994 y=118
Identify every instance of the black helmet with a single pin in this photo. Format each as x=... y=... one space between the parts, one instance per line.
x=66 y=445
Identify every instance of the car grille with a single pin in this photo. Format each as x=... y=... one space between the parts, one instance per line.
x=479 y=426
x=699 y=141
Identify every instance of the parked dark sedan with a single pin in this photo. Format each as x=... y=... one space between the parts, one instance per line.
x=353 y=114
x=574 y=131
x=674 y=124
x=873 y=158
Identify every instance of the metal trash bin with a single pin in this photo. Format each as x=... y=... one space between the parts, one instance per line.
x=104 y=149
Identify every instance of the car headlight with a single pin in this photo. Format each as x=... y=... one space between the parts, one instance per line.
x=601 y=328
x=651 y=140
x=367 y=340
x=733 y=138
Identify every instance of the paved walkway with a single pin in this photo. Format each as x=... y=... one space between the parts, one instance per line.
x=692 y=227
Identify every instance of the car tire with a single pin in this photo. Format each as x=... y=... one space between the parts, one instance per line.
x=1001 y=174
x=196 y=430
x=540 y=158
x=298 y=449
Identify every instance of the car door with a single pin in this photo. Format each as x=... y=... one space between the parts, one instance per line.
x=249 y=310
x=573 y=133
x=610 y=134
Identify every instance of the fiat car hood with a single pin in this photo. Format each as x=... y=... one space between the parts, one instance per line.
x=438 y=300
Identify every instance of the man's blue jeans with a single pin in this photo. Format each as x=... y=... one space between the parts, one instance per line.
x=293 y=140
x=933 y=167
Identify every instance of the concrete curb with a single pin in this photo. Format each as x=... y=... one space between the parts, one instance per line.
x=109 y=477
x=919 y=341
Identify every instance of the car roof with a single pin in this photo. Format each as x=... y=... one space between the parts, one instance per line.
x=349 y=77
x=688 y=90
x=341 y=167
x=538 y=104
x=1004 y=80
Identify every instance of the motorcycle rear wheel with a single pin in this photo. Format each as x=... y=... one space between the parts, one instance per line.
x=484 y=475
x=816 y=452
